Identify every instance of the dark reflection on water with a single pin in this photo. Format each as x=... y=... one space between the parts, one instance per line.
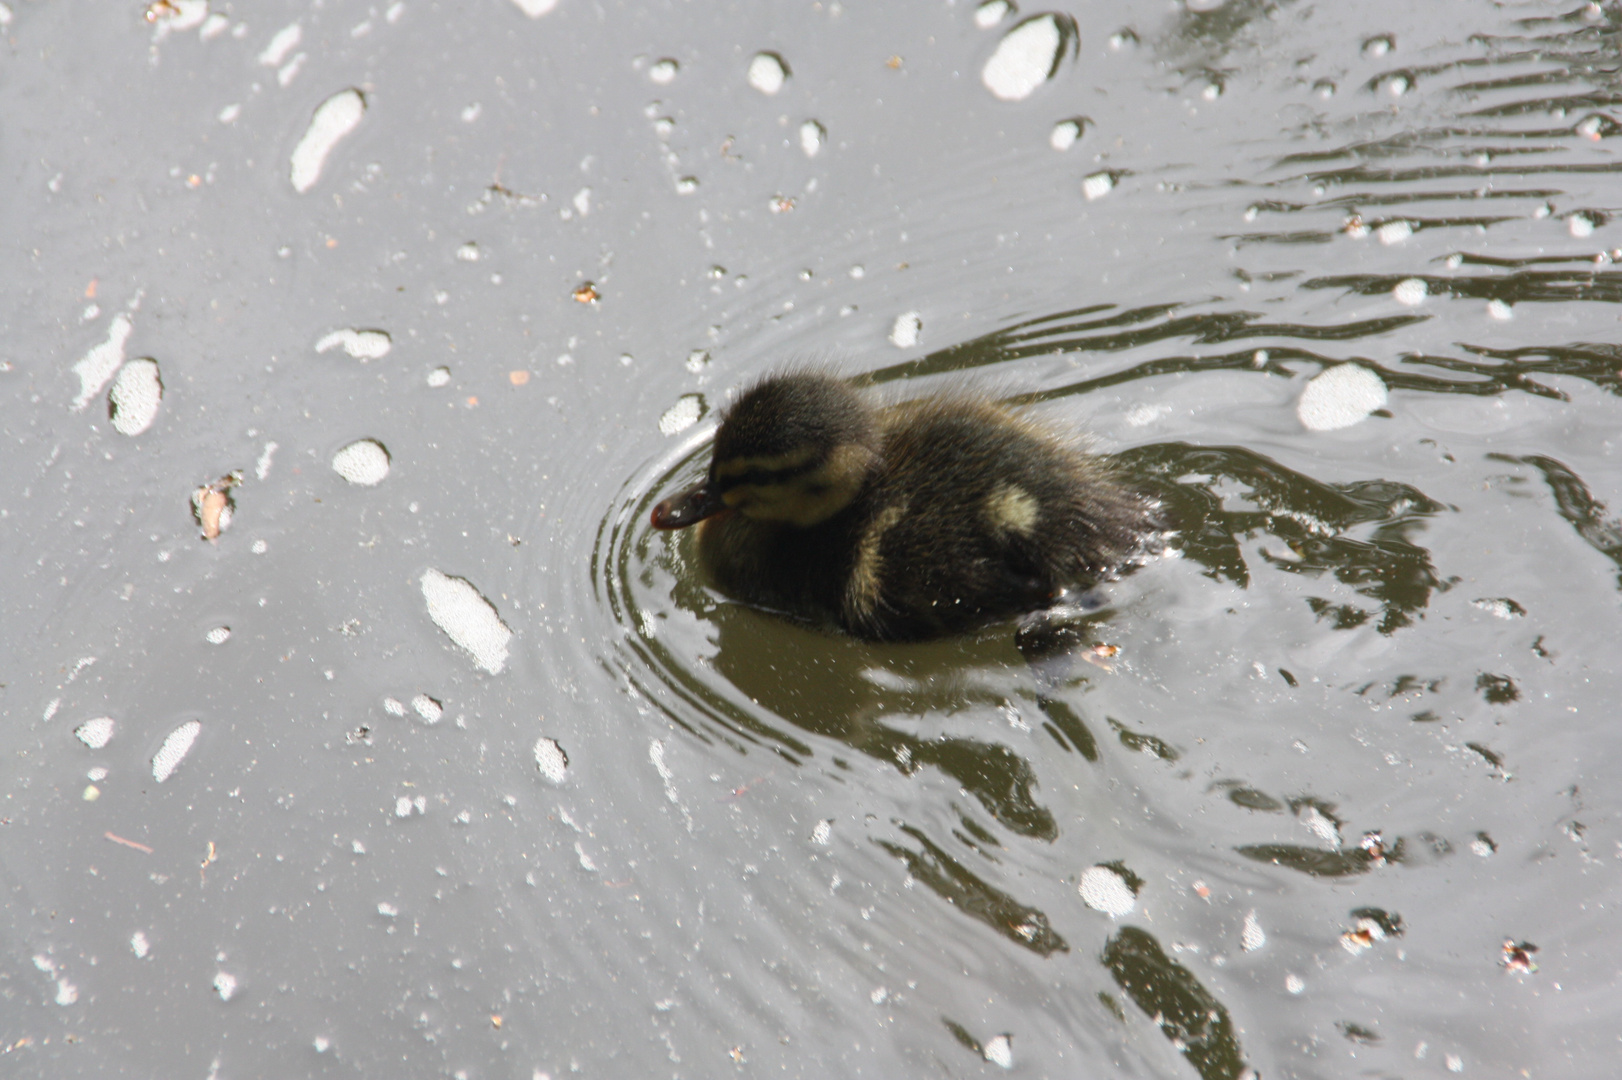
x=1187 y=1013
x=1577 y=505
x=958 y=886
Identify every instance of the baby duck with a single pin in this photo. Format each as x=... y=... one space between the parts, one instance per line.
x=911 y=521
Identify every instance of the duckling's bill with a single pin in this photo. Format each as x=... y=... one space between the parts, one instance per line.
x=688 y=508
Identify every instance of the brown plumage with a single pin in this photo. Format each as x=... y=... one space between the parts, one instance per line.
x=911 y=521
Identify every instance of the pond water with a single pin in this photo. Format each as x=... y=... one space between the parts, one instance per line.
x=356 y=722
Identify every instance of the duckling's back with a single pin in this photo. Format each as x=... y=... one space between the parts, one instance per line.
x=976 y=515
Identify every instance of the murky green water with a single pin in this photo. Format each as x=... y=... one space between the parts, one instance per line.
x=1342 y=763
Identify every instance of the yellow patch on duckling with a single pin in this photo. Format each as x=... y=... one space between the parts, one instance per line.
x=1013 y=509
x=862 y=592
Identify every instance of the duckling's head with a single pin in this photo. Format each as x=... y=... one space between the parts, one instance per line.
x=794 y=448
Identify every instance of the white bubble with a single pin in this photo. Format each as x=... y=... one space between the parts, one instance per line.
x=535 y=8
x=95 y=733
x=335 y=118
x=468 y=252
x=1097 y=185
x=174 y=750
x=99 y=364
x=427 y=708
x=402 y=806
x=219 y=635
x=1339 y=397
x=440 y=376
x=139 y=945
x=1252 y=936
x=812 y=136
x=284 y=42
x=363 y=345
x=225 y=985
x=767 y=72
x=823 y=833
x=551 y=760
x=1103 y=889
x=1580 y=225
x=67 y=993
x=1410 y=292
x=467 y=618
x=1000 y=1051
x=387 y=910
x=907 y=330
x=1497 y=309
x=393 y=706
x=663 y=71
x=364 y=462
x=1026 y=57
x=1294 y=983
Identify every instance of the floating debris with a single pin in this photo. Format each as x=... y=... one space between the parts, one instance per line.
x=364 y=462
x=908 y=330
x=440 y=376
x=535 y=8
x=1029 y=55
x=174 y=750
x=218 y=635
x=1104 y=889
x=991 y=13
x=687 y=411
x=1517 y=956
x=663 y=71
x=102 y=361
x=470 y=620
x=1501 y=606
x=95 y=733
x=551 y=760
x=767 y=72
x=139 y=945
x=363 y=345
x=1339 y=397
x=333 y=119
x=586 y=293
x=822 y=835
x=132 y=404
x=213 y=505
x=1394 y=232
x=428 y=708
x=281 y=44
x=225 y=985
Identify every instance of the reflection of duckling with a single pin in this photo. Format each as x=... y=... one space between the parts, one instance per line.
x=912 y=521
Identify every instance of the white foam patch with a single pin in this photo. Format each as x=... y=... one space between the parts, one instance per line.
x=907 y=330
x=1340 y=397
x=1024 y=59
x=812 y=136
x=225 y=984
x=1102 y=889
x=218 y=635
x=467 y=619
x=284 y=42
x=999 y=1051
x=135 y=396
x=682 y=415
x=333 y=119
x=95 y=733
x=1252 y=936
x=427 y=708
x=1410 y=292
x=535 y=8
x=551 y=760
x=1097 y=185
x=767 y=72
x=139 y=945
x=364 y=462
x=99 y=364
x=174 y=750
x=363 y=345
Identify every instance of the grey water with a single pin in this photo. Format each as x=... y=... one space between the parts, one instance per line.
x=354 y=722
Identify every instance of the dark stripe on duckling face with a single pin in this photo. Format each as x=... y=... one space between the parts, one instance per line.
x=797 y=489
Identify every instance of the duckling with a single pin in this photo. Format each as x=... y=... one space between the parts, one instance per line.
x=906 y=522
